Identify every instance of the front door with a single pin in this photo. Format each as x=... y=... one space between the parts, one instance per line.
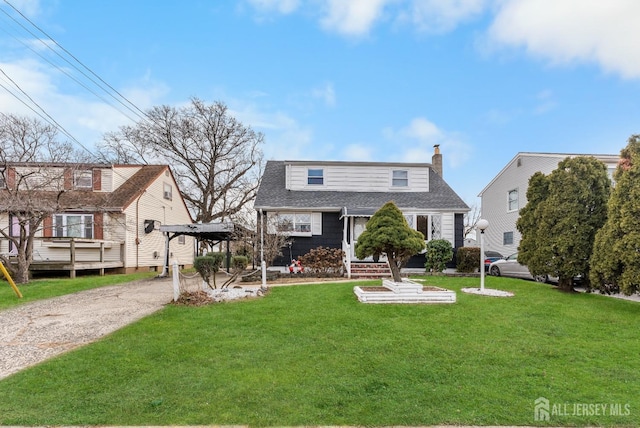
x=358 y=225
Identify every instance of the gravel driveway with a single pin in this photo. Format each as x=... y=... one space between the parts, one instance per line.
x=36 y=331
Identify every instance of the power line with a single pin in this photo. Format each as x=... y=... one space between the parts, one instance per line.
x=111 y=90
x=49 y=118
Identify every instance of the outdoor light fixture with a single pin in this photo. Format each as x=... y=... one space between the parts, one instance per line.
x=482 y=225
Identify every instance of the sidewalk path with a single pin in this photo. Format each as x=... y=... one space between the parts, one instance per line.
x=34 y=332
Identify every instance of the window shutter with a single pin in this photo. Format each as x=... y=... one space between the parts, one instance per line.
x=97 y=179
x=98 y=229
x=47 y=227
x=68 y=179
x=316 y=223
x=11 y=178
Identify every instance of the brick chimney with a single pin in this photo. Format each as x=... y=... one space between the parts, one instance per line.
x=436 y=160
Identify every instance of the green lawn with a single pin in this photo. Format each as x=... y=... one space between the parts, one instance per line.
x=313 y=355
x=39 y=289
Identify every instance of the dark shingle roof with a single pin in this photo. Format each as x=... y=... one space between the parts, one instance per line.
x=272 y=194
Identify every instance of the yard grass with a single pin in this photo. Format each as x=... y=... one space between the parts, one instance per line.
x=39 y=289
x=313 y=355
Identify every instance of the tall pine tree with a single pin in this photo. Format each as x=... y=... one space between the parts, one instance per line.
x=615 y=265
x=567 y=208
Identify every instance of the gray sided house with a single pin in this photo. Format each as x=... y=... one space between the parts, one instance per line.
x=506 y=194
x=328 y=203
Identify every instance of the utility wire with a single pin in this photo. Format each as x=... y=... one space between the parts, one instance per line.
x=128 y=105
x=50 y=118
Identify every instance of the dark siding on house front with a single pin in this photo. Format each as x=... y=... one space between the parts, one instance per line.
x=419 y=260
x=331 y=238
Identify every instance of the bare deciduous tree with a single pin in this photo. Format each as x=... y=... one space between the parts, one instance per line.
x=31 y=189
x=216 y=160
x=471 y=219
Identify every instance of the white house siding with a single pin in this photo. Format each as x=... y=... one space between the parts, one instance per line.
x=150 y=251
x=122 y=173
x=4 y=224
x=360 y=178
x=106 y=179
x=515 y=176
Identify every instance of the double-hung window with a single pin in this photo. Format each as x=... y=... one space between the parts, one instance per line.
x=73 y=226
x=167 y=191
x=400 y=178
x=315 y=176
x=512 y=200
x=83 y=179
x=298 y=222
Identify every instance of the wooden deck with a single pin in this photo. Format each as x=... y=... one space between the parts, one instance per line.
x=63 y=255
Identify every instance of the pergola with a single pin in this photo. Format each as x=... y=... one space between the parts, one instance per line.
x=211 y=232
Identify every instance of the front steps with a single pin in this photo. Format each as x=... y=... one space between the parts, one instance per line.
x=362 y=270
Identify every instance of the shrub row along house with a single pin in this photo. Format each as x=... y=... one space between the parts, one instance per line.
x=328 y=203
x=92 y=216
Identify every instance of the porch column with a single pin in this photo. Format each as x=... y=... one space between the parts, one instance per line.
x=346 y=246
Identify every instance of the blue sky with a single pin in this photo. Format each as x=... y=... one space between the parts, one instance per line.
x=368 y=80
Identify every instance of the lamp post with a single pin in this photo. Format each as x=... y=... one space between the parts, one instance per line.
x=482 y=225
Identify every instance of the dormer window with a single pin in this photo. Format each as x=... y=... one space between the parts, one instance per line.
x=315 y=176
x=83 y=179
x=400 y=178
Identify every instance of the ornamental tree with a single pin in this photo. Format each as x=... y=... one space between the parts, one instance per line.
x=565 y=209
x=387 y=232
x=615 y=264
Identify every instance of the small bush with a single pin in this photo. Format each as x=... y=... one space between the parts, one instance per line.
x=439 y=252
x=324 y=261
x=239 y=262
x=468 y=259
x=207 y=266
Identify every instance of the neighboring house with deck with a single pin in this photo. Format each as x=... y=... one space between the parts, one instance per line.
x=328 y=203
x=506 y=194
x=102 y=217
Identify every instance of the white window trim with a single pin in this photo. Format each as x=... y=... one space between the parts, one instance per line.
x=168 y=195
x=315 y=177
x=315 y=223
x=516 y=200
x=82 y=175
x=405 y=179
x=85 y=218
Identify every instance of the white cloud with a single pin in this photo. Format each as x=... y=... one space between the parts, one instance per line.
x=358 y=152
x=285 y=138
x=326 y=93
x=414 y=143
x=28 y=7
x=441 y=15
x=281 y=6
x=85 y=118
x=352 y=17
x=573 y=31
